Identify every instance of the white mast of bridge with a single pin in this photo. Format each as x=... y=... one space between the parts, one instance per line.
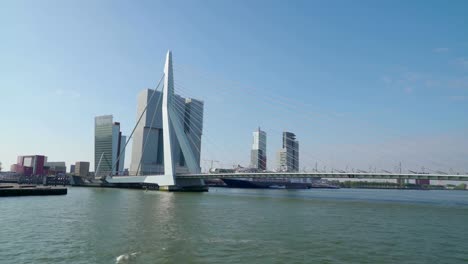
x=173 y=133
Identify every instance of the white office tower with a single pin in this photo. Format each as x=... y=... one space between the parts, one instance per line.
x=121 y=162
x=148 y=144
x=288 y=155
x=108 y=145
x=258 y=153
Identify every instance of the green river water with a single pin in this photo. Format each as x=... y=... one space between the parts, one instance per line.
x=93 y=225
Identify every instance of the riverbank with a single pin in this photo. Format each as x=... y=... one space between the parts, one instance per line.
x=390 y=185
x=29 y=190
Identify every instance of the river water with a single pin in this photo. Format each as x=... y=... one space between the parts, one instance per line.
x=93 y=225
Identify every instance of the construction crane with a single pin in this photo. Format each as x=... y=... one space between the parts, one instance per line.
x=212 y=161
x=337 y=170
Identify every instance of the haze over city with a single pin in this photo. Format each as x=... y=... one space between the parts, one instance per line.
x=371 y=85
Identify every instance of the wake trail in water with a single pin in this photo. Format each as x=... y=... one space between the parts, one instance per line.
x=126 y=258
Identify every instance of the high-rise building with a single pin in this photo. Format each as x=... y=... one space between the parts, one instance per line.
x=147 y=149
x=81 y=169
x=72 y=168
x=108 y=146
x=288 y=155
x=258 y=158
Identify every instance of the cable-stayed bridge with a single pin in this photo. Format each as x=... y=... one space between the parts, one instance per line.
x=179 y=147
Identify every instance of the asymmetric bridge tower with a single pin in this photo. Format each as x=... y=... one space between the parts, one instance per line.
x=173 y=130
x=175 y=139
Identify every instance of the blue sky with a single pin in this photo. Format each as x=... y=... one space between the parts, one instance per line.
x=361 y=83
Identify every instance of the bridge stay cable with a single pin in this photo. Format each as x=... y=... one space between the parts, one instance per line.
x=180 y=107
x=207 y=139
x=181 y=115
x=150 y=127
x=134 y=128
x=191 y=140
x=273 y=103
x=289 y=155
x=180 y=111
x=381 y=156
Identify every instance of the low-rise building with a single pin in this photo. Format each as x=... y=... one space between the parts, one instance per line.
x=82 y=169
x=29 y=165
x=55 y=167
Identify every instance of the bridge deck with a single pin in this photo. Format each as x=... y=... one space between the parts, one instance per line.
x=158 y=178
x=326 y=175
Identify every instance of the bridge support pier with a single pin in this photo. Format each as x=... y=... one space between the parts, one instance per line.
x=175 y=188
x=186 y=185
x=182 y=185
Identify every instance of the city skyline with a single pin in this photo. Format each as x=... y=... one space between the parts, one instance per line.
x=246 y=131
x=353 y=94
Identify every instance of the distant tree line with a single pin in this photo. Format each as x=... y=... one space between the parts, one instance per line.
x=461 y=186
x=385 y=185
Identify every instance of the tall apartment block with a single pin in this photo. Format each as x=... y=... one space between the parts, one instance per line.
x=288 y=155
x=258 y=159
x=108 y=145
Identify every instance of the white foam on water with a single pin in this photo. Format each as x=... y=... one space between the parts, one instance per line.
x=125 y=258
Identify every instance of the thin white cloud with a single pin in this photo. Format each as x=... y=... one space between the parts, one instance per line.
x=408 y=90
x=412 y=81
x=459 y=83
x=440 y=50
x=463 y=62
x=443 y=152
x=387 y=79
x=68 y=93
x=458 y=98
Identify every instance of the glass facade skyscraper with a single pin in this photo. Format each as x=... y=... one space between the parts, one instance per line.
x=108 y=144
x=288 y=156
x=258 y=158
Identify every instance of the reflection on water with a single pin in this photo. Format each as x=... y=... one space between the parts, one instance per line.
x=92 y=225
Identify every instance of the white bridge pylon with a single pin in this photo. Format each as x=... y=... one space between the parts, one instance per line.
x=173 y=133
x=173 y=130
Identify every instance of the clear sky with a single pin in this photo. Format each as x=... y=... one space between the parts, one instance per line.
x=361 y=83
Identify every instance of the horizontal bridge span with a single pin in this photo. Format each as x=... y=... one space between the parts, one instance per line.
x=326 y=175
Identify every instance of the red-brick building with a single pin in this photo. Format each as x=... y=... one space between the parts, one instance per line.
x=29 y=165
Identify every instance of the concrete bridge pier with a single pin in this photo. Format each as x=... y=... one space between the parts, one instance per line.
x=186 y=185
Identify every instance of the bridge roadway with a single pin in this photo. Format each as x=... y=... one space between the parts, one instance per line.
x=331 y=175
